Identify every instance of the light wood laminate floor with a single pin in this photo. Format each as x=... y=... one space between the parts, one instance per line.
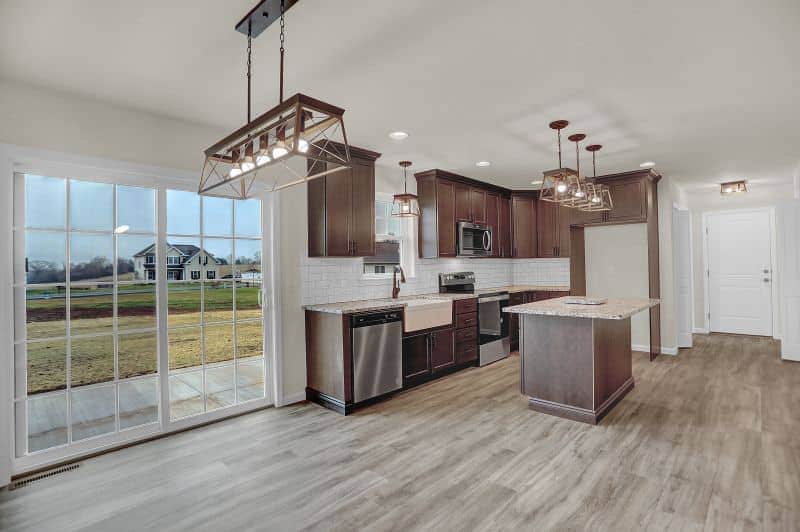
x=708 y=440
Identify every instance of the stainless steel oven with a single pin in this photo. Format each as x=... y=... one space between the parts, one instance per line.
x=494 y=340
x=474 y=240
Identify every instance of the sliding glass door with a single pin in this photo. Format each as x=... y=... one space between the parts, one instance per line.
x=95 y=274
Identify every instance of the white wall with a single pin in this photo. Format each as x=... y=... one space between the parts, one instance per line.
x=707 y=200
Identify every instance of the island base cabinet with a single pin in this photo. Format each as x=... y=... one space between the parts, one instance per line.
x=576 y=368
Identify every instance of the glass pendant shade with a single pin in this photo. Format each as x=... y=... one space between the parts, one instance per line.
x=405 y=205
x=556 y=185
x=599 y=199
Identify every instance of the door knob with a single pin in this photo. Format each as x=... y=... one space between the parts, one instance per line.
x=766 y=271
x=766 y=279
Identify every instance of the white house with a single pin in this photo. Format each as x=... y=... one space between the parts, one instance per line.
x=184 y=262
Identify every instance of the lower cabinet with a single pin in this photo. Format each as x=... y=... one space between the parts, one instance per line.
x=443 y=353
x=426 y=354
x=520 y=298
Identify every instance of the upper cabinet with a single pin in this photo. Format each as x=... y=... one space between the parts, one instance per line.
x=341 y=209
x=523 y=226
x=631 y=194
x=553 y=227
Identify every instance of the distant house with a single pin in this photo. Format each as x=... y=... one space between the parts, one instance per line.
x=386 y=258
x=184 y=262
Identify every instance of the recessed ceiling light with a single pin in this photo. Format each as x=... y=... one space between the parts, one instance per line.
x=647 y=164
x=483 y=163
x=537 y=182
x=398 y=135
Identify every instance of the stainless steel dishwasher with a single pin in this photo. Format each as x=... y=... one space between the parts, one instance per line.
x=377 y=354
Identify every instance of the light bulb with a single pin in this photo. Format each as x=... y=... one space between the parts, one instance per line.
x=262 y=158
x=302 y=145
x=728 y=190
x=247 y=163
x=406 y=208
x=278 y=152
x=595 y=199
x=236 y=171
x=561 y=187
x=579 y=194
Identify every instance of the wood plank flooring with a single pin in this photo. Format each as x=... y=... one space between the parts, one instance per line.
x=708 y=440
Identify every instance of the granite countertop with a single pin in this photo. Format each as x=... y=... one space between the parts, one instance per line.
x=613 y=309
x=350 y=307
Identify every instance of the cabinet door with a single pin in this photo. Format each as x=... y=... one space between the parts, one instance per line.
x=630 y=201
x=415 y=356
x=523 y=227
x=564 y=222
x=463 y=204
x=492 y=220
x=362 y=231
x=443 y=353
x=504 y=227
x=588 y=218
x=478 y=205
x=547 y=228
x=338 y=209
x=446 y=218
x=513 y=321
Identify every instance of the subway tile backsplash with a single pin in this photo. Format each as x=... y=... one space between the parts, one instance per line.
x=332 y=280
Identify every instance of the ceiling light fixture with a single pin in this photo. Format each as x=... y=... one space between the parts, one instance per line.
x=298 y=140
x=483 y=164
x=647 y=164
x=398 y=135
x=733 y=187
x=555 y=182
x=598 y=195
x=405 y=205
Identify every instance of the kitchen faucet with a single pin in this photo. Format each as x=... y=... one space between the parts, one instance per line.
x=395 y=284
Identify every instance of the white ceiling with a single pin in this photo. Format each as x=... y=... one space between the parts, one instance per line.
x=707 y=89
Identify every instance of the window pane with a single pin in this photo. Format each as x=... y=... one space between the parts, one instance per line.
x=217 y=216
x=218 y=343
x=183 y=213
x=220 y=257
x=136 y=306
x=184 y=304
x=91 y=360
x=47 y=366
x=138 y=402
x=250 y=380
x=93 y=411
x=248 y=259
x=219 y=387
x=45 y=256
x=184 y=348
x=248 y=217
x=248 y=299
x=137 y=354
x=136 y=208
x=249 y=339
x=183 y=256
x=186 y=394
x=91 y=309
x=45 y=202
x=136 y=258
x=91 y=206
x=46 y=312
x=47 y=421
x=91 y=257
x=218 y=302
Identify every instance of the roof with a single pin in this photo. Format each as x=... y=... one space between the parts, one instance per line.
x=187 y=250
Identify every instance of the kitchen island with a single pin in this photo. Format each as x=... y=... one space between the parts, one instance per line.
x=575 y=359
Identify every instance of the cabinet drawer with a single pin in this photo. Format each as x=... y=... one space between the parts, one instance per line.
x=470 y=333
x=465 y=306
x=466 y=320
x=517 y=298
x=466 y=352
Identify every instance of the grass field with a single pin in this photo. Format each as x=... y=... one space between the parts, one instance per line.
x=91 y=312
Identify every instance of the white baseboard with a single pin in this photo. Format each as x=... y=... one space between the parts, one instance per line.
x=672 y=351
x=700 y=330
x=664 y=350
x=291 y=399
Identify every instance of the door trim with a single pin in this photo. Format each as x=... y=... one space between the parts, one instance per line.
x=676 y=242
x=776 y=317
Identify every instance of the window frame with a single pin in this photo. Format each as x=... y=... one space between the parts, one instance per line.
x=406 y=228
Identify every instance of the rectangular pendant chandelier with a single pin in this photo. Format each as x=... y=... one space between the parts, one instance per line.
x=258 y=157
x=555 y=185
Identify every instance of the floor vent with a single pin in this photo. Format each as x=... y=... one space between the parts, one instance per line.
x=21 y=483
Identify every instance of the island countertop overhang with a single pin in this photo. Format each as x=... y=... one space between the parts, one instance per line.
x=612 y=309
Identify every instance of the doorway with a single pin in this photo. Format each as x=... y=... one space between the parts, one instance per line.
x=740 y=271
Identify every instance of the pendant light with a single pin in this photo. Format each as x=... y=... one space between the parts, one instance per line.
x=405 y=205
x=298 y=140
x=555 y=184
x=598 y=195
x=577 y=196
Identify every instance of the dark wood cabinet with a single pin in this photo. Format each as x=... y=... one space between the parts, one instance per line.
x=416 y=361
x=478 y=205
x=465 y=313
x=523 y=226
x=504 y=226
x=443 y=354
x=493 y=220
x=446 y=233
x=630 y=200
x=553 y=229
x=341 y=209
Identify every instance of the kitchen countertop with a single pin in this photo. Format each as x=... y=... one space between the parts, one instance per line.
x=351 y=307
x=613 y=309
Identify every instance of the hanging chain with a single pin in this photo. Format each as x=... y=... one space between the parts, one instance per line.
x=283 y=25
x=249 y=65
x=558 y=131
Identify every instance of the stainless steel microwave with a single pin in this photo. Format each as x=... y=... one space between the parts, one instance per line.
x=474 y=240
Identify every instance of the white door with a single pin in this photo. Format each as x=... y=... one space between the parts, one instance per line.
x=740 y=272
x=681 y=238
